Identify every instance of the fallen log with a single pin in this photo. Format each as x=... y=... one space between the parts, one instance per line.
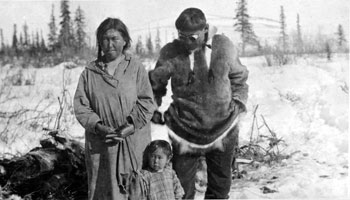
x=56 y=170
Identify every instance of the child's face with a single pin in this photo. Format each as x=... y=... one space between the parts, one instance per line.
x=158 y=160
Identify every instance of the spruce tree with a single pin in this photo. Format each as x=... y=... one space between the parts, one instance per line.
x=14 y=38
x=72 y=34
x=32 y=45
x=65 y=38
x=20 y=41
x=2 y=47
x=283 y=34
x=52 y=37
x=33 y=40
x=328 y=51
x=42 y=43
x=139 y=46
x=341 y=37
x=80 y=32
x=149 y=45
x=299 y=40
x=157 y=41
x=37 y=40
x=243 y=26
x=26 y=35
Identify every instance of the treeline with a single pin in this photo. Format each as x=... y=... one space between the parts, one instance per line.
x=66 y=40
x=297 y=43
x=252 y=45
x=148 y=50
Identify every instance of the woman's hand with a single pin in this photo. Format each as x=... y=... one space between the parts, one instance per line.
x=121 y=133
x=103 y=130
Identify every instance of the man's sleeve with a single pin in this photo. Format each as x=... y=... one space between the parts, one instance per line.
x=142 y=111
x=160 y=75
x=82 y=109
x=238 y=77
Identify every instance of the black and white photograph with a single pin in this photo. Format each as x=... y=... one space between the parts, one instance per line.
x=174 y=99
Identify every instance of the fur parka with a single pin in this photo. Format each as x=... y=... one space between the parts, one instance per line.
x=207 y=100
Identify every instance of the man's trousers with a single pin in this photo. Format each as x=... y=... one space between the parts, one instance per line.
x=219 y=168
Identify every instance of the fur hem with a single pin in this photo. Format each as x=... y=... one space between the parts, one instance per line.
x=190 y=147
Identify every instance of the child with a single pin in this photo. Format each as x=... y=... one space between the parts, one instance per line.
x=161 y=181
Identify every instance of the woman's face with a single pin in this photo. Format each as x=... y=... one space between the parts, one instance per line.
x=158 y=160
x=112 y=44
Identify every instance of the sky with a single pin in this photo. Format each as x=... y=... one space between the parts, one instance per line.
x=316 y=16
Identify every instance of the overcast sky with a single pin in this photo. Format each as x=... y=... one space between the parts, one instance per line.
x=315 y=15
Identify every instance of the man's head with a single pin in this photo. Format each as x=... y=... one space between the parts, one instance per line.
x=192 y=28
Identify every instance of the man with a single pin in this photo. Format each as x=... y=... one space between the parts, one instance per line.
x=209 y=93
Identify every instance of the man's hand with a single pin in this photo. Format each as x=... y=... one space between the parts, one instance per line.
x=239 y=106
x=121 y=133
x=157 y=118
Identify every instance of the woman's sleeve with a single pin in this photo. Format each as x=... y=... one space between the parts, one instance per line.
x=82 y=109
x=142 y=111
x=178 y=190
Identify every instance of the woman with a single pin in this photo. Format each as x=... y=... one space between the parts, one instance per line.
x=114 y=103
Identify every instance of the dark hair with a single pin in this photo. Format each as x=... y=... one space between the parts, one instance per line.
x=152 y=147
x=112 y=23
x=191 y=19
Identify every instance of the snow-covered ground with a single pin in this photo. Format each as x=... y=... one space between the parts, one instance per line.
x=305 y=103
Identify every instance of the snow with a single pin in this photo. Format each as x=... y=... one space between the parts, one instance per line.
x=305 y=103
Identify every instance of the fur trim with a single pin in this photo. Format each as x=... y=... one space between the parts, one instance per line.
x=211 y=31
x=189 y=147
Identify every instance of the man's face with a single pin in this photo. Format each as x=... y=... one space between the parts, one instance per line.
x=192 y=39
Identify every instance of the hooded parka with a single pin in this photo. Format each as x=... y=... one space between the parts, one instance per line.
x=101 y=97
